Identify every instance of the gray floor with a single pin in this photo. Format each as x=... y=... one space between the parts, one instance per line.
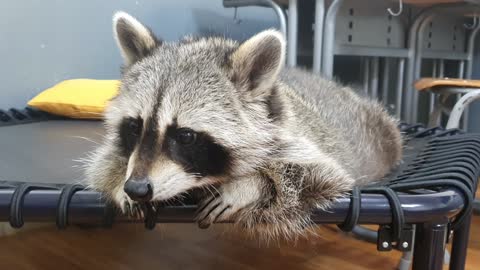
x=47 y=152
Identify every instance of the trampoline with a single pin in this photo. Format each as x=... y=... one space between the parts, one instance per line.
x=431 y=192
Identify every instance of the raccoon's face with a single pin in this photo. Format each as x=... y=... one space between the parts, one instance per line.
x=189 y=114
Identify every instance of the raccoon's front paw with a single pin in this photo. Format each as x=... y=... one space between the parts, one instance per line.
x=127 y=205
x=233 y=198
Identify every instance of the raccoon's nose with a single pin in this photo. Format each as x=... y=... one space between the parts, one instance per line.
x=139 y=189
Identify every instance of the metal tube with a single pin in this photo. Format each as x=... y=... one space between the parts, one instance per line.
x=461 y=70
x=466 y=116
x=281 y=16
x=431 y=104
x=437 y=116
x=432 y=95
x=470 y=51
x=407 y=256
x=441 y=68
x=262 y=3
x=374 y=78
x=418 y=64
x=460 y=105
x=412 y=41
x=400 y=89
x=329 y=38
x=411 y=45
x=89 y=207
x=365 y=234
x=416 y=34
x=292 y=33
x=386 y=78
x=366 y=75
x=460 y=245
x=429 y=249
x=283 y=22
x=318 y=35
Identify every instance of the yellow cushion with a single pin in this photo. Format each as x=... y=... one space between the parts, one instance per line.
x=79 y=98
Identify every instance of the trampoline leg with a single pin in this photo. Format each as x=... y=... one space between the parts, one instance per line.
x=429 y=247
x=406 y=260
x=459 y=246
x=476 y=207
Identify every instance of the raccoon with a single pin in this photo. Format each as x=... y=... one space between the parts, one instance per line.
x=274 y=143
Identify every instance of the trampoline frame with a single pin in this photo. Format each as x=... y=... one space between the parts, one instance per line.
x=430 y=212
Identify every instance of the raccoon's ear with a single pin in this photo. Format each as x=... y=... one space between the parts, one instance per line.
x=257 y=62
x=133 y=38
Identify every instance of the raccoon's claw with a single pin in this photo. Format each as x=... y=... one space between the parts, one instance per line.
x=214 y=210
x=136 y=211
x=132 y=209
x=128 y=206
x=233 y=198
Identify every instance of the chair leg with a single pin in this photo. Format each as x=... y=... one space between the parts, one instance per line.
x=462 y=103
x=434 y=118
x=460 y=245
x=429 y=247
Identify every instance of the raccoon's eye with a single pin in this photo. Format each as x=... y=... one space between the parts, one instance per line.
x=186 y=136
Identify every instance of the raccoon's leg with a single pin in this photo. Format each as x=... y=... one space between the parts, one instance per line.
x=277 y=203
x=232 y=198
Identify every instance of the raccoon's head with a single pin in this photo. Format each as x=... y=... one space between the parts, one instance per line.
x=188 y=114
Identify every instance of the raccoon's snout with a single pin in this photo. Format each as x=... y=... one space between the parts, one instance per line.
x=140 y=190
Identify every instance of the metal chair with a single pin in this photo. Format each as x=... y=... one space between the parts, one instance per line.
x=466 y=90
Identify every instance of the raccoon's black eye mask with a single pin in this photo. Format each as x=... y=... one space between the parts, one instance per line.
x=129 y=133
x=197 y=152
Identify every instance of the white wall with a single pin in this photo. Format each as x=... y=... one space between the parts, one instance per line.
x=43 y=42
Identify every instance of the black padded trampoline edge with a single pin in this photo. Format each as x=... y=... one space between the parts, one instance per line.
x=14 y=116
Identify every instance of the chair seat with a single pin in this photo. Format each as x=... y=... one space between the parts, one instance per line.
x=429 y=83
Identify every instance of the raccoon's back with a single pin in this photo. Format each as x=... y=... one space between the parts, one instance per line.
x=364 y=137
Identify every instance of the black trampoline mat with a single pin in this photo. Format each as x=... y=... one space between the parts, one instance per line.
x=47 y=152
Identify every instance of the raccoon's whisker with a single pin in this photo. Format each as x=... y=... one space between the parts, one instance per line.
x=86 y=139
x=172 y=201
x=168 y=202
x=207 y=188
x=83 y=161
x=179 y=198
x=196 y=175
x=181 y=202
x=103 y=136
x=215 y=192
x=210 y=191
